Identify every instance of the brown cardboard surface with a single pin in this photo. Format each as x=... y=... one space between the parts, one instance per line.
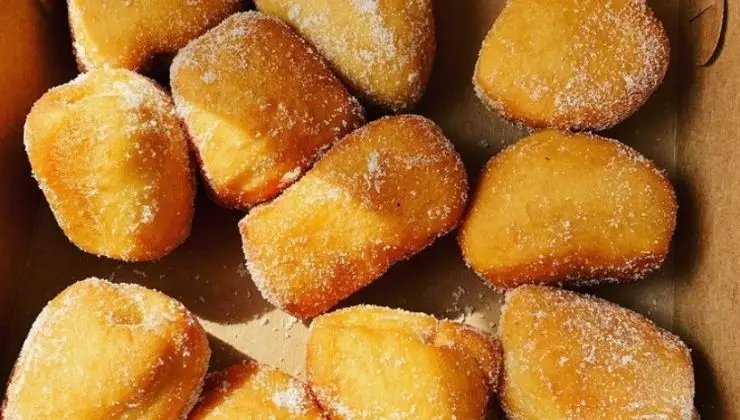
x=708 y=252
x=207 y=273
x=704 y=24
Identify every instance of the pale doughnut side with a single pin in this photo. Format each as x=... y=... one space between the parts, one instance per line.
x=260 y=106
x=368 y=362
x=381 y=195
x=119 y=34
x=579 y=65
x=383 y=50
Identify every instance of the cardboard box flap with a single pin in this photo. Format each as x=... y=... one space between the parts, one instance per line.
x=704 y=23
x=708 y=240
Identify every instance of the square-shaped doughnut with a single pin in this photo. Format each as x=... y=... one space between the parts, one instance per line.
x=572 y=64
x=129 y=33
x=384 y=50
x=570 y=356
x=379 y=196
x=368 y=362
x=260 y=106
x=257 y=392
x=557 y=207
x=109 y=351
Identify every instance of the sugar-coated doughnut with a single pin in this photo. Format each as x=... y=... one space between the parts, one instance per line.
x=379 y=196
x=570 y=356
x=254 y=391
x=368 y=362
x=127 y=34
x=383 y=49
x=260 y=106
x=558 y=207
x=112 y=159
x=572 y=64
x=109 y=351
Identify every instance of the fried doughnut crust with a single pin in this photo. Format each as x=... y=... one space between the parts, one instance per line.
x=383 y=50
x=379 y=196
x=558 y=207
x=109 y=351
x=260 y=107
x=128 y=34
x=579 y=64
x=257 y=392
x=112 y=159
x=571 y=356
x=368 y=362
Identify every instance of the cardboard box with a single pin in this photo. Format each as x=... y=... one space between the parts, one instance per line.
x=689 y=127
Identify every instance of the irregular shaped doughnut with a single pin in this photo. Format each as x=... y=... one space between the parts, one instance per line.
x=381 y=195
x=580 y=64
x=260 y=106
x=109 y=351
x=383 y=50
x=560 y=207
x=112 y=159
x=369 y=362
x=254 y=391
x=128 y=34
x=570 y=356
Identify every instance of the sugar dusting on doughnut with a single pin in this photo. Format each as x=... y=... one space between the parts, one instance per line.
x=57 y=375
x=368 y=362
x=560 y=207
x=583 y=357
x=384 y=50
x=596 y=64
x=260 y=105
x=128 y=34
x=381 y=195
x=254 y=390
x=112 y=159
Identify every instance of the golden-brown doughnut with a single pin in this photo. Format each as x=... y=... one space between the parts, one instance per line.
x=560 y=207
x=127 y=34
x=570 y=356
x=260 y=106
x=572 y=64
x=380 y=195
x=109 y=351
x=383 y=50
x=368 y=362
x=112 y=159
x=257 y=392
